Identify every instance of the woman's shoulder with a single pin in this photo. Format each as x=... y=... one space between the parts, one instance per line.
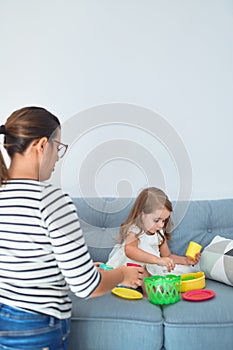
x=24 y=185
x=48 y=187
x=52 y=192
x=54 y=198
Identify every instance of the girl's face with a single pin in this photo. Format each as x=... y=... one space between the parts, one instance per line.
x=154 y=221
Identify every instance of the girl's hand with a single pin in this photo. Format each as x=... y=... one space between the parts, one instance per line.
x=133 y=276
x=168 y=262
x=191 y=261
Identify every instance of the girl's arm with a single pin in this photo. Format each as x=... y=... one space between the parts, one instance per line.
x=185 y=260
x=133 y=252
x=182 y=260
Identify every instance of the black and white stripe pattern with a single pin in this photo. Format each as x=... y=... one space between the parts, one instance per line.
x=42 y=249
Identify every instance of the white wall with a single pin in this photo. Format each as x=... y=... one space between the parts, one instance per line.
x=171 y=57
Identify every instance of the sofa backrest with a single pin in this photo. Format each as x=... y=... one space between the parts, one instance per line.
x=199 y=221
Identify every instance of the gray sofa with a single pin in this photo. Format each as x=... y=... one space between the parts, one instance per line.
x=112 y=323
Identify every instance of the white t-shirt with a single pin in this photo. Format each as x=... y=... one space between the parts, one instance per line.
x=150 y=244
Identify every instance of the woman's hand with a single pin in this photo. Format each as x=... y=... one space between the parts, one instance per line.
x=132 y=276
x=129 y=276
x=168 y=262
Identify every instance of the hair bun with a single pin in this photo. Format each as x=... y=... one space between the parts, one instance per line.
x=3 y=129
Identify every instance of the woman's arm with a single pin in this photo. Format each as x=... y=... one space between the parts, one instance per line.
x=71 y=252
x=129 y=276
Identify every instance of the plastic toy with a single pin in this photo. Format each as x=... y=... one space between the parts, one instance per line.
x=127 y=293
x=193 y=249
x=198 y=295
x=163 y=289
x=191 y=281
x=105 y=267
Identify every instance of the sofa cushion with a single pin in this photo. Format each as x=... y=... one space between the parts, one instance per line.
x=217 y=260
x=200 y=221
x=100 y=240
x=200 y=325
x=100 y=219
x=135 y=323
x=196 y=220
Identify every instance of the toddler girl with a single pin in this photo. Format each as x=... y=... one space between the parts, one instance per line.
x=144 y=235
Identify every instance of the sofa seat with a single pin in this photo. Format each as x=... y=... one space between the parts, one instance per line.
x=118 y=321
x=200 y=325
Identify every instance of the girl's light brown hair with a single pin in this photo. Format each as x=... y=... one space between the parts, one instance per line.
x=149 y=200
x=21 y=128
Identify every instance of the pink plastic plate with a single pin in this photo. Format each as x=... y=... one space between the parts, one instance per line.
x=198 y=295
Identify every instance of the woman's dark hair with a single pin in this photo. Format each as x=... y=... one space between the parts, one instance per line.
x=21 y=128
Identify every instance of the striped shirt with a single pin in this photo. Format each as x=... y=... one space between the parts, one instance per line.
x=42 y=249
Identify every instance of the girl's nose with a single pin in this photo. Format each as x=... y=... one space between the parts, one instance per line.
x=161 y=224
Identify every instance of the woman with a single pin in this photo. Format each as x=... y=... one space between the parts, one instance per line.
x=42 y=249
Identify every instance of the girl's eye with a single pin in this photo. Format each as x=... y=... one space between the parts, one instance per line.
x=157 y=220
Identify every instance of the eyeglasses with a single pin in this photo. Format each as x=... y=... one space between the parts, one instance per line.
x=61 y=148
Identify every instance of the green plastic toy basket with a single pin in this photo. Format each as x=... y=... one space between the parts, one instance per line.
x=163 y=289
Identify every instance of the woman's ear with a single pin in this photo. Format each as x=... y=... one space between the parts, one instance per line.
x=40 y=145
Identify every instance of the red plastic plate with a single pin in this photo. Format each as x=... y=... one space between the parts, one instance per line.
x=198 y=295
